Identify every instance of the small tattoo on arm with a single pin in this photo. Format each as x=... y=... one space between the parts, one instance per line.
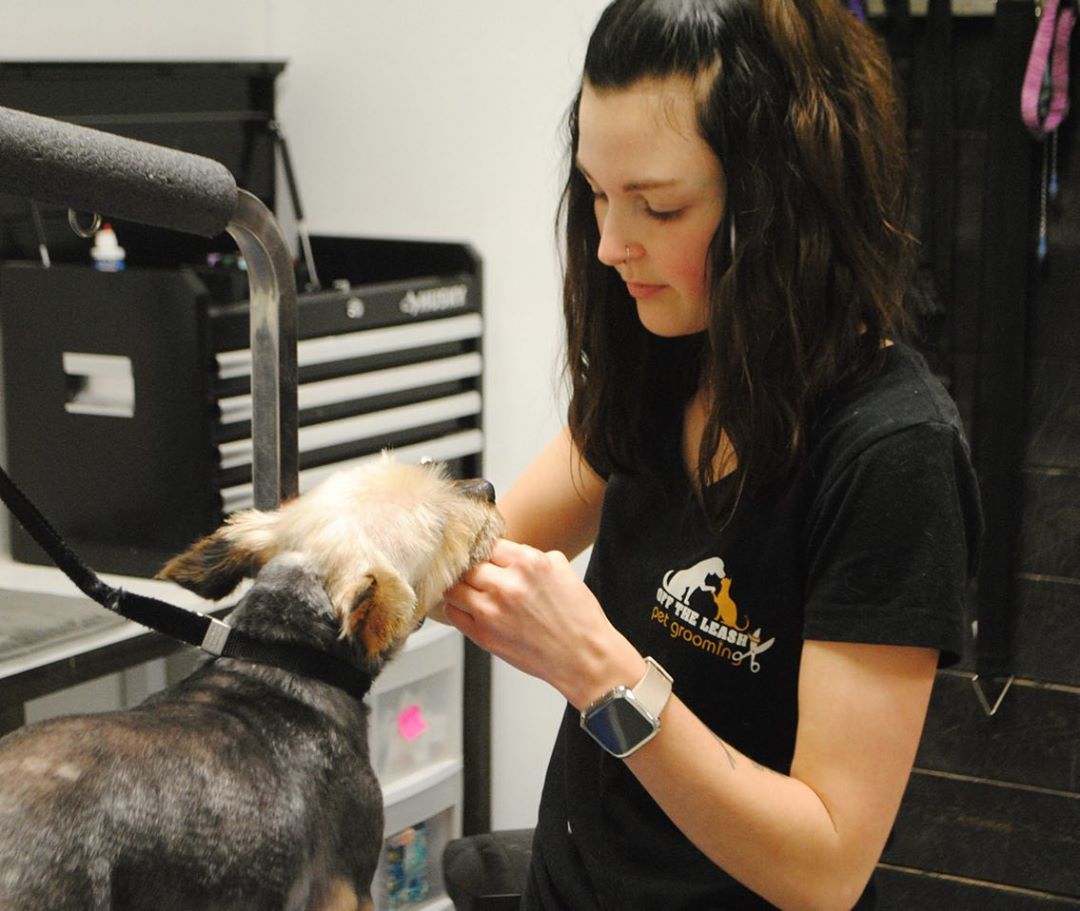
x=734 y=764
x=727 y=752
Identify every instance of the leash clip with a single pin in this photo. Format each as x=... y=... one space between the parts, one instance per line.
x=217 y=634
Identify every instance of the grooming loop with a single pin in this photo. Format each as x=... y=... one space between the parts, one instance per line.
x=990 y=710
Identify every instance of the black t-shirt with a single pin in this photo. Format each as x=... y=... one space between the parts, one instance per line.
x=870 y=540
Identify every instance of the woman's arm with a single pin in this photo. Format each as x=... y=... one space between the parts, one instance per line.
x=555 y=504
x=805 y=840
x=812 y=839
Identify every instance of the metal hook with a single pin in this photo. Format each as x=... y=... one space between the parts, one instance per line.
x=990 y=710
x=73 y=221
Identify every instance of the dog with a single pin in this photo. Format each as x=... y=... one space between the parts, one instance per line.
x=701 y=577
x=247 y=786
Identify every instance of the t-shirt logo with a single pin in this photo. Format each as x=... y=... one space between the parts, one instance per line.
x=695 y=605
x=707 y=576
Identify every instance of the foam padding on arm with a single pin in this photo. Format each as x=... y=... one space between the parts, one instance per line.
x=94 y=171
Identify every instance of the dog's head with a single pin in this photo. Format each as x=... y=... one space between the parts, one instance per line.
x=386 y=539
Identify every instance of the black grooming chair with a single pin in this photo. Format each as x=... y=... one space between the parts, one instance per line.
x=488 y=872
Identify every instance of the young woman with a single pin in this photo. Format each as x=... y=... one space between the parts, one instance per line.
x=777 y=491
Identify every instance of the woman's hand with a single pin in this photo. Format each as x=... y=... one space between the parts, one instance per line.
x=531 y=609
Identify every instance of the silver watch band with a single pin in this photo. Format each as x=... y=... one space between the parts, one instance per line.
x=654 y=689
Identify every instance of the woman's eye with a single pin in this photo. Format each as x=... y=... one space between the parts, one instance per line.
x=663 y=215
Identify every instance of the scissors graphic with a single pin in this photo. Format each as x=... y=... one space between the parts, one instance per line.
x=756 y=648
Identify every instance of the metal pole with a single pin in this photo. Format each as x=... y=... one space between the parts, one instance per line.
x=272 y=289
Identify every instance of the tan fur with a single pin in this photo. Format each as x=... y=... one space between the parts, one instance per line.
x=343 y=898
x=381 y=611
x=386 y=538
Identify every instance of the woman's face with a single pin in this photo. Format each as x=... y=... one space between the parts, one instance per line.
x=659 y=192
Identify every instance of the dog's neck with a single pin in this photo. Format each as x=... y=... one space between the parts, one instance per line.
x=287 y=606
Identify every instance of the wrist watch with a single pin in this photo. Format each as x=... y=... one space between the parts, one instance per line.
x=624 y=719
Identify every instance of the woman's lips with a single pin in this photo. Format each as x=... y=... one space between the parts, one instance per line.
x=640 y=291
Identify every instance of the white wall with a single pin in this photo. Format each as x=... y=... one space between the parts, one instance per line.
x=409 y=119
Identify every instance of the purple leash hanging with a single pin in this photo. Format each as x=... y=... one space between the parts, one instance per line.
x=1044 y=98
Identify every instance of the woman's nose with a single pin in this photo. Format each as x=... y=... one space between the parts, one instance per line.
x=613 y=243
x=611 y=253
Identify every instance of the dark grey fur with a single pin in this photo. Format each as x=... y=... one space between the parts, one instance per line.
x=242 y=787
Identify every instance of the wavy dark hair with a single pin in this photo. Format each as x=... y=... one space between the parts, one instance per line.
x=797 y=103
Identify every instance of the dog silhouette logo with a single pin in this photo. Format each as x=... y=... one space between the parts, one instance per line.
x=708 y=576
x=704 y=576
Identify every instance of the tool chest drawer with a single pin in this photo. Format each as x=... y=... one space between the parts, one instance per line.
x=143 y=382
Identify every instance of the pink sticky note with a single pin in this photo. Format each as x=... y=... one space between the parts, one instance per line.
x=411 y=723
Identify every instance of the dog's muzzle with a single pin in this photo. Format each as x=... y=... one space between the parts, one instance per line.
x=478 y=488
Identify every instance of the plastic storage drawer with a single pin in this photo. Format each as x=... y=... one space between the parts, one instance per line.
x=423 y=813
x=416 y=705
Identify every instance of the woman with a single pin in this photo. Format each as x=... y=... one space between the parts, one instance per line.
x=777 y=491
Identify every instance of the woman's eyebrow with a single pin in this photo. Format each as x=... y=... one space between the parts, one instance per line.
x=634 y=186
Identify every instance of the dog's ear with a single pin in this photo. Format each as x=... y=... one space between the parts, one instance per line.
x=213 y=566
x=379 y=610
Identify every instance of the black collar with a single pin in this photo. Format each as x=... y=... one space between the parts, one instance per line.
x=201 y=630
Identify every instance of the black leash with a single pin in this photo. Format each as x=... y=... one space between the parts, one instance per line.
x=205 y=632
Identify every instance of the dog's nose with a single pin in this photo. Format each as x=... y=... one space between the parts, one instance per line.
x=479 y=488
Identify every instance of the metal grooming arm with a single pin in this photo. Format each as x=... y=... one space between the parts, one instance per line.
x=88 y=170
x=272 y=292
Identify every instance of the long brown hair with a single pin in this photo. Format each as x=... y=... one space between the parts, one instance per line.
x=810 y=264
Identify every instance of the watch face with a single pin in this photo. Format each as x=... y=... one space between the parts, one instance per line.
x=620 y=725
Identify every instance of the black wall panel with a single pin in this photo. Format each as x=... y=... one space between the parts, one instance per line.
x=991 y=818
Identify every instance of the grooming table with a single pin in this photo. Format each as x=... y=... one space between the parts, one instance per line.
x=52 y=639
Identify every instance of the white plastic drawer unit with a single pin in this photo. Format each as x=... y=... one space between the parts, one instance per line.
x=419 y=823
x=416 y=707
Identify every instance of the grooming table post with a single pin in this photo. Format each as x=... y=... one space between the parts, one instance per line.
x=92 y=171
x=275 y=461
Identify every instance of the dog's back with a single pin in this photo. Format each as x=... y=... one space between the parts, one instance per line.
x=242 y=787
x=225 y=792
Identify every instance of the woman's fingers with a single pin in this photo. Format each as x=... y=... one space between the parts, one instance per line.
x=507 y=561
x=501 y=552
x=512 y=591
x=505 y=552
x=503 y=555
x=458 y=617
